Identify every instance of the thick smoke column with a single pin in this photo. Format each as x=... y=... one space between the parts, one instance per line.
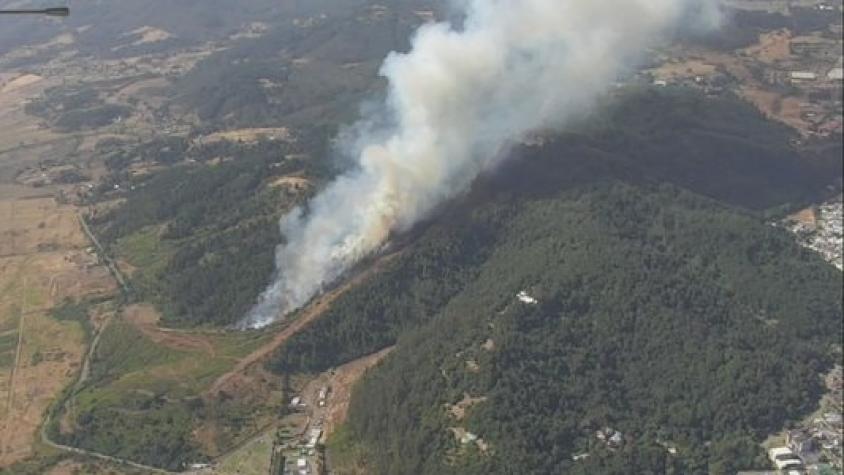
x=456 y=100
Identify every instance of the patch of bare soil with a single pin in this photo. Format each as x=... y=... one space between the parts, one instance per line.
x=20 y=82
x=773 y=46
x=684 y=69
x=145 y=318
x=787 y=110
x=292 y=183
x=458 y=411
x=341 y=381
x=806 y=217
x=149 y=34
x=247 y=135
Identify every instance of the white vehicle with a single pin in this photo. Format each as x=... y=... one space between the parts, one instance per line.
x=784 y=459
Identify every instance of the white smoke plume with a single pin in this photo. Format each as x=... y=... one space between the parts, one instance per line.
x=456 y=100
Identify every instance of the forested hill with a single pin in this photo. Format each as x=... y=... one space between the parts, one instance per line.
x=719 y=148
x=667 y=309
x=662 y=315
x=313 y=68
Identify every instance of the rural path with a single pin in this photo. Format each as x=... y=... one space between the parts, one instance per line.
x=109 y=262
x=108 y=458
x=339 y=381
x=83 y=376
x=85 y=372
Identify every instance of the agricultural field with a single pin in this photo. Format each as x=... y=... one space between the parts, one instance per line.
x=146 y=397
x=251 y=459
x=43 y=260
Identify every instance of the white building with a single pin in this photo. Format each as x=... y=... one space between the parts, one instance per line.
x=302 y=465
x=785 y=459
x=803 y=76
x=524 y=297
x=314 y=439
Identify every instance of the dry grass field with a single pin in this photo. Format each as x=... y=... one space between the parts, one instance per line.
x=43 y=260
x=772 y=47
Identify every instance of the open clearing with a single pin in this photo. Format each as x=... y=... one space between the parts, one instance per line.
x=773 y=46
x=145 y=318
x=683 y=69
x=340 y=382
x=18 y=127
x=247 y=135
x=148 y=34
x=20 y=81
x=806 y=216
x=251 y=459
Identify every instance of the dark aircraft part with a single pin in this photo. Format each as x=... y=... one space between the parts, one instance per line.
x=57 y=11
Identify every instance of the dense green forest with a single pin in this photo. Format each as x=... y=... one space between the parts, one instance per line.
x=679 y=320
x=719 y=148
x=202 y=232
x=744 y=26
x=75 y=108
x=315 y=70
x=202 y=236
x=661 y=314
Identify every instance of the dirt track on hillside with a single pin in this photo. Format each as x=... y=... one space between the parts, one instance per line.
x=312 y=312
x=145 y=318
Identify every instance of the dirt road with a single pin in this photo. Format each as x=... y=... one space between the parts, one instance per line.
x=313 y=311
x=339 y=383
x=145 y=318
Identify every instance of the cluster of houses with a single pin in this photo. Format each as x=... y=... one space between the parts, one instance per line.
x=526 y=298
x=818 y=443
x=301 y=453
x=306 y=463
x=815 y=70
x=612 y=438
x=815 y=446
x=825 y=233
x=814 y=450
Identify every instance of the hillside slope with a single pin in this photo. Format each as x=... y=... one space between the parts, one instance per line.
x=721 y=149
x=660 y=314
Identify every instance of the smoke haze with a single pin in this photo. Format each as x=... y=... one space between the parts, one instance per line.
x=455 y=102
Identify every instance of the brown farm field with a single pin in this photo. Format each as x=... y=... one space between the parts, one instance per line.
x=776 y=104
x=18 y=127
x=43 y=260
x=773 y=47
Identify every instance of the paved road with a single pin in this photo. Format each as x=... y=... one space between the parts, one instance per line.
x=108 y=458
x=112 y=267
x=85 y=371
